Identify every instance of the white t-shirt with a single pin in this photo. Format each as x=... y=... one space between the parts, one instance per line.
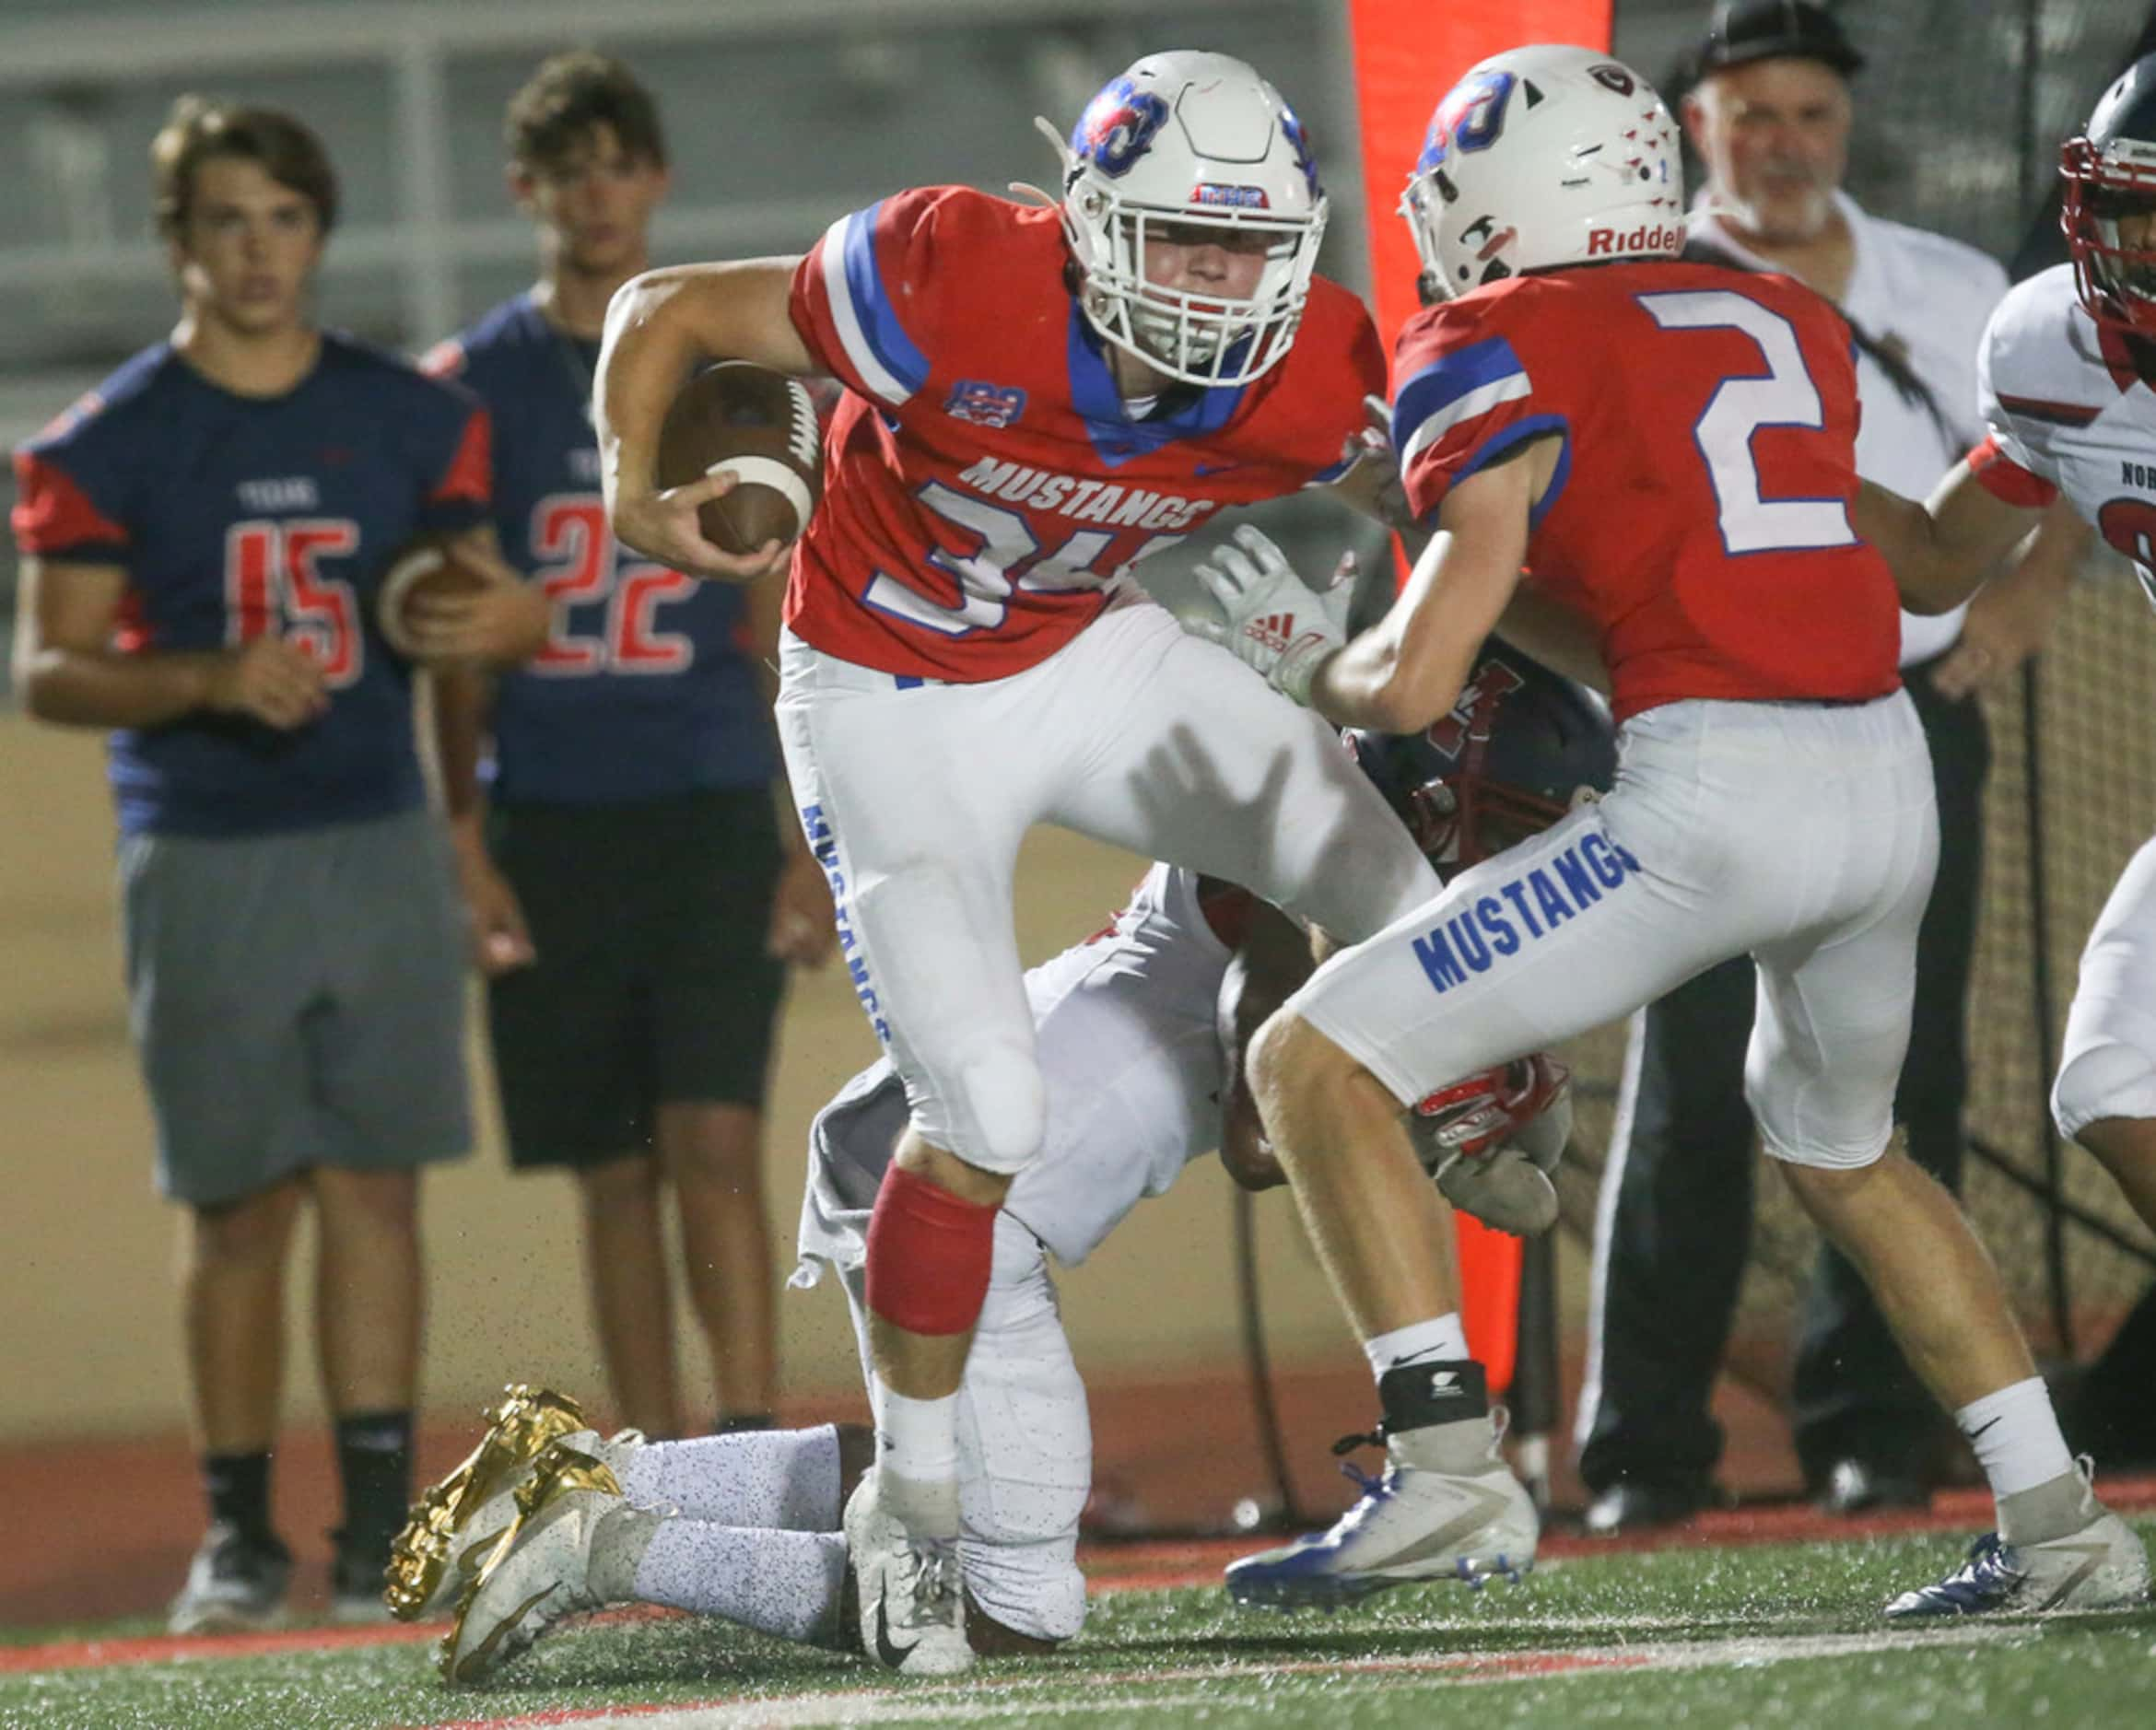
x=1930 y=297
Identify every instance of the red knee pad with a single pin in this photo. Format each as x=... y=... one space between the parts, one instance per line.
x=928 y=1254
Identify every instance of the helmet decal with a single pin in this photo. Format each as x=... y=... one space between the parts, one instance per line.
x=1116 y=127
x=1487 y=687
x=1518 y=749
x=1470 y=118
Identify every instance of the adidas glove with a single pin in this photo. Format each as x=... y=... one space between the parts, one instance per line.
x=1274 y=622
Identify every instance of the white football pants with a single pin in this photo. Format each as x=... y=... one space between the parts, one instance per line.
x=916 y=795
x=1803 y=833
x=2107 y=1064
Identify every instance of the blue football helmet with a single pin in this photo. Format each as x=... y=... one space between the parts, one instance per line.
x=1518 y=750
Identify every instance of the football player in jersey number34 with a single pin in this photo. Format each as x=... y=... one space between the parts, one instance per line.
x=1035 y=400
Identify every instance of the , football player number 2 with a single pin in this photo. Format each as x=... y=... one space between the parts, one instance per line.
x=984 y=576
x=569 y=539
x=1784 y=395
x=273 y=582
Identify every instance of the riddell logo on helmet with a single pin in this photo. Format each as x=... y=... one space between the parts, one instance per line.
x=1236 y=198
x=1649 y=236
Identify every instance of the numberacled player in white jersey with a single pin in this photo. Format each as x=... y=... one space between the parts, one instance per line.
x=2068 y=387
x=1132 y=1025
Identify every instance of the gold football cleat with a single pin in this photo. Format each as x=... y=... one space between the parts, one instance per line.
x=536 y=1574
x=425 y=1552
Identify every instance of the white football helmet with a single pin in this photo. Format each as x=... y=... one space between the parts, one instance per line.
x=1539 y=156
x=1187 y=141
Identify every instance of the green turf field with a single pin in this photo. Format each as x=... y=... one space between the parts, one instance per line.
x=1765 y=1636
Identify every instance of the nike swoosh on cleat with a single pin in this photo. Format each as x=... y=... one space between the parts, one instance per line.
x=465 y=1565
x=888 y=1654
x=1488 y=1505
x=2093 y=1555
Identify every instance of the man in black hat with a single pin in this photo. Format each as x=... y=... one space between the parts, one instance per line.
x=1770 y=118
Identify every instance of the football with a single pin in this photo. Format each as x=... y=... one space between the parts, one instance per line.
x=427 y=566
x=758 y=425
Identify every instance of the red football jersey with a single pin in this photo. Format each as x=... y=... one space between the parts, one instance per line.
x=1699 y=513
x=984 y=482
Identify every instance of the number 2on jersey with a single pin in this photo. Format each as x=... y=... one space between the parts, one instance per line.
x=1784 y=395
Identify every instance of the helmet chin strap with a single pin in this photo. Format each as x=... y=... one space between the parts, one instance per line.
x=1065 y=158
x=1026 y=190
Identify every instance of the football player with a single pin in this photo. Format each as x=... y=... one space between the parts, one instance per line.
x=1036 y=399
x=2068 y=365
x=633 y=896
x=1771 y=115
x=1133 y=1026
x=203 y=540
x=1671 y=446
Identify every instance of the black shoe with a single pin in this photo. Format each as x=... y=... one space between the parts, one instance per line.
x=1856 y=1486
x=1638 y=1504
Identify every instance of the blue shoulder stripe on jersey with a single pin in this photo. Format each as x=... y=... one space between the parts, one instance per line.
x=1519 y=432
x=879 y=321
x=1450 y=377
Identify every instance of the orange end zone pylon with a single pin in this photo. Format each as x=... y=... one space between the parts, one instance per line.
x=1407 y=54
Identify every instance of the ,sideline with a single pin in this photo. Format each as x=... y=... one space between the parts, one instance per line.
x=1114 y=1568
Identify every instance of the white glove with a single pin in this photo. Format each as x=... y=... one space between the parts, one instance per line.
x=1276 y=623
x=1504 y=1188
x=1493 y=1142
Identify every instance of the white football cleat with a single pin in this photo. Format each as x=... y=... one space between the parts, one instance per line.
x=537 y=1574
x=1412 y=1524
x=910 y=1603
x=2103 y=1566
